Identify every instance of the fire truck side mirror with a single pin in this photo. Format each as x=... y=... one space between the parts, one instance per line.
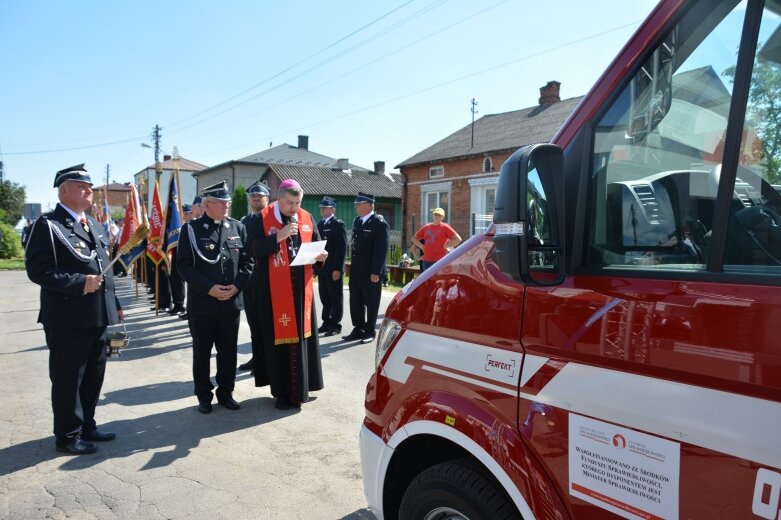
x=528 y=216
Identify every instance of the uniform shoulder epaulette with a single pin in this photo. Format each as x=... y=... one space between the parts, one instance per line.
x=379 y=217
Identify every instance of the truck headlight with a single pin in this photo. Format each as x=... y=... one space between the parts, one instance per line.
x=388 y=332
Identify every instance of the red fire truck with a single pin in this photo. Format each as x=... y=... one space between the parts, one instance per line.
x=611 y=347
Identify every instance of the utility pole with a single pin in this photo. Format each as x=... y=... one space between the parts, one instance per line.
x=474 y=111
x=156 y=134
x=108 y=168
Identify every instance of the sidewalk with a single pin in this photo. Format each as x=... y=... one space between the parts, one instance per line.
x=169 y=461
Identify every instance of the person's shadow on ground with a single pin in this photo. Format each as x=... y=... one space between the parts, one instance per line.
x=182 y=430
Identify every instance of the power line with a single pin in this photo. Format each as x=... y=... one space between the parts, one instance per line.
x=434 y=87
x=84 y=147
x=341 y=76
x=329 y=46
x=415 y=15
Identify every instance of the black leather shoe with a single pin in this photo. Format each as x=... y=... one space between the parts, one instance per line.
x=98 y=436
x=176 y=310
x=183 y=316
x=355 y=334
x=368 y=337
x=333 y=331
x=249 y=365
x=229 y=403
x=323 y=328
x=204 y=407
x=77 y=447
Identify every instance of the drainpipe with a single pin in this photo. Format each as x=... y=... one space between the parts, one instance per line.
x=403 y=211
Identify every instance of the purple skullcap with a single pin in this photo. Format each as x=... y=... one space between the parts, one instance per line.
x=289 y=184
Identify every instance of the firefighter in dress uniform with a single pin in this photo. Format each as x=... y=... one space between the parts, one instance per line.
x=257 y=199
x=370 y=242
x=330 y=282
x=212 y=261
x=66 y=253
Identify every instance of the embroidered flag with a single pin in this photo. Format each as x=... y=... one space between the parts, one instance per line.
x=135 y=230
x=155 y=245
x=173 y=217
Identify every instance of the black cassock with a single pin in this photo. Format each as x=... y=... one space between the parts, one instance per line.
x=293 y=369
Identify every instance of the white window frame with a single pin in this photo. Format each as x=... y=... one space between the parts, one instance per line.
x=490 y=168
x=440 y=187
x=436 y=172
x=478 y=188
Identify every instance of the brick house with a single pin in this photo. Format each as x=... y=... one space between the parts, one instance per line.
x=117 y=195
x=460 y=173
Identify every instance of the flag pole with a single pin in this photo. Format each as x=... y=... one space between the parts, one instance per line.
x=157 y=289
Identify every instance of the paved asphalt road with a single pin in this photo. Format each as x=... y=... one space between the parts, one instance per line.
x=169 y=461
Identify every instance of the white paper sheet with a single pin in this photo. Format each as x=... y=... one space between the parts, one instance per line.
x=308 y=252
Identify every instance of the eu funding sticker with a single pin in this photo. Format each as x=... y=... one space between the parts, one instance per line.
x=629 y=473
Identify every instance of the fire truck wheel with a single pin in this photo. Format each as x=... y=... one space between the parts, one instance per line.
x=455 y=490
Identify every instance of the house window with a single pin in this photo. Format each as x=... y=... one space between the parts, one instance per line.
x=388 y=213
x=490 y=199
x=436 y=171
x=488 y=165
x=436 y=199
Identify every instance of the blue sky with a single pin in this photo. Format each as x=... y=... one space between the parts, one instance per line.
x=369 y=81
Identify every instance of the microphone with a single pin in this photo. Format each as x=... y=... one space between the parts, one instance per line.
x=292 y=241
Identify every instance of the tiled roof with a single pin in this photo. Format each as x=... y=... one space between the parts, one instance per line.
x=114 y=186
x=184 y=165
x=496 y=132
x=288 y=154
x=318 y=180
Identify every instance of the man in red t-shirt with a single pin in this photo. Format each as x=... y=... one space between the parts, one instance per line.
x=435 y=239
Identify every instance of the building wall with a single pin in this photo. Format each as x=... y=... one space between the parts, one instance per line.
x=459 y=178
x=235 y=175
x=187 y=185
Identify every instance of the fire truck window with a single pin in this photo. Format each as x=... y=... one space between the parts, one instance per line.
x=754 y=232
x=658 y=147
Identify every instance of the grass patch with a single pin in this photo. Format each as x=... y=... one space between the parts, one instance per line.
x=11 y=264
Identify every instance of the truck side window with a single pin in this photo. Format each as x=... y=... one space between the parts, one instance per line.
x=754 y=232
x=657 y=149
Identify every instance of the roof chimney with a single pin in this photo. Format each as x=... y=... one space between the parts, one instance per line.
x=342 y=164
x=379 y=167
x=549 y=94
x=166 y=157
x=303 y=142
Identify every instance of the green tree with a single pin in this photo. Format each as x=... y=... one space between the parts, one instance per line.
x=763 y=118
x=239 y=208
x=12 y=197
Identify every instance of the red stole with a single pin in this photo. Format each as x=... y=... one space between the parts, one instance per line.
x=282 y=303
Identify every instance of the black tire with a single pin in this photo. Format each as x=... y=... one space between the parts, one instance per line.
x=457 y=489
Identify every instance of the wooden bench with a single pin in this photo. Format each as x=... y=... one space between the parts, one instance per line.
x=402 y=275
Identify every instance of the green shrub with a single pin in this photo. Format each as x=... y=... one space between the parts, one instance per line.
x=11 y=243
x=240 y=207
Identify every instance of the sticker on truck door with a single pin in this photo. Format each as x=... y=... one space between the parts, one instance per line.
x=632 y=474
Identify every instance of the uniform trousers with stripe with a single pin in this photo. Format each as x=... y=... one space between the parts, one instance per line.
x=364 y=303
x=220 y=330
x=77 y=365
